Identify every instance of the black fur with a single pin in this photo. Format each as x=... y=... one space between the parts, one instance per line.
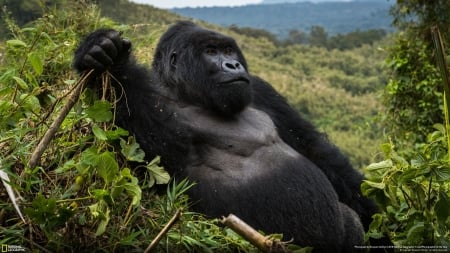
x=249 y=151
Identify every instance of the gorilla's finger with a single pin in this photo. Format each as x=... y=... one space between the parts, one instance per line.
x=115 y=38
x=126 y=44
x=109 y=47
x=100 y=56
x=90 y=63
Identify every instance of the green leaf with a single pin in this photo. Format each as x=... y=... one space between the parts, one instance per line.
x=100 y=111
x=103 y=195
x=103 y=223
x=107 y=166
x=380 y=185
x=15 y=43
x=99 y=133
x=415 y=234
x=386 y=148
x=135 y=192
x=36 y=62
x=131 y=151
x=22 y=84
x=442 y=208
x=116 y=133
x=442 y=173
x=30 y=103
x=380 y=165
x=100 y=211
x=161 y=176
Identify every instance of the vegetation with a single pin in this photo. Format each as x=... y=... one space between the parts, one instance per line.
x=414 y=93
x=92 y=191
x=85 y=184
x=412 y=184
x=280 y=18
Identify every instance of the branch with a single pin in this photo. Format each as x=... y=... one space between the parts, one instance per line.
x=164 y=231
x=263 y=243
x=48 y=136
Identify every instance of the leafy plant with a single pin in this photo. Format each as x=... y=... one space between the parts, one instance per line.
x=413 y=192
x=91 y=189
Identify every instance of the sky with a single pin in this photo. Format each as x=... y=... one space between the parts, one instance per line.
x=167 y=4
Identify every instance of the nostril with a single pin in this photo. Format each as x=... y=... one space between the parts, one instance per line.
x=234 y=65
x=230 y=66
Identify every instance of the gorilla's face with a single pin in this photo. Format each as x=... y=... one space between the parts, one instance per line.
x=204 y=68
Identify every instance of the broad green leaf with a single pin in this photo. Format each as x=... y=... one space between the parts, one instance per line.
x=107 y=166
x=415 y=234
x=99 y=133
x=161 y=176
x=418 y=160
x=442 y=208
x=100 y=111
x=131 y=151
x=380 y=165
x=37 y=62
x=442 y=173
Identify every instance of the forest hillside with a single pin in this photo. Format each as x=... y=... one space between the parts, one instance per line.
x=89 y=189
x=336 y=17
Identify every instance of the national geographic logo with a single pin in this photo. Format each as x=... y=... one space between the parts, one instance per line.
x=12 y=248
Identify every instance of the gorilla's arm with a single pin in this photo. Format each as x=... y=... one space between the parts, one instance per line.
x=303 y=137
x=141 y=108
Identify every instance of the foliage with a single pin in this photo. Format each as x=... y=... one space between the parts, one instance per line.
x=413 y=192
x=335 y=17
x=413 y=97
x=414 y=93
x=91 y=190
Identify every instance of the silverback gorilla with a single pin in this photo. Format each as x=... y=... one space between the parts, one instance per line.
x=230 y=132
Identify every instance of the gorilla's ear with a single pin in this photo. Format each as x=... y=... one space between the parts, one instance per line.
x=173 y=59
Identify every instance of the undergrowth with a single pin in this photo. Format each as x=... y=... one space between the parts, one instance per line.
x=91 y=189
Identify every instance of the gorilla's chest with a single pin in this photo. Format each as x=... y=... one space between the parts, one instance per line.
x=241 y=148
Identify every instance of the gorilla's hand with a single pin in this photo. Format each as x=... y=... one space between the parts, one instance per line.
x=101 y=50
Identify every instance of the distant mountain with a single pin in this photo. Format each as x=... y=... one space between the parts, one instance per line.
x=315 y=1
x=280 y=18
x=297 y=1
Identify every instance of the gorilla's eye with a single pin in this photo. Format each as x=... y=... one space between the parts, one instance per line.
x=211 y=51
x=228 y=51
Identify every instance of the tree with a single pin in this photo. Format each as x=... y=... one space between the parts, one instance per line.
x=413 y=97
x=318 y=36
x=296 y=37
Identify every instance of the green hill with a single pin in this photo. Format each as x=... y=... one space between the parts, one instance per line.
x=280 y=18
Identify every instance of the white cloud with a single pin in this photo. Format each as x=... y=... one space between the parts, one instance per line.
x=167 y=4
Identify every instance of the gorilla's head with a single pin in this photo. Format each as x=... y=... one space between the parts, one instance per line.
x=203 y=68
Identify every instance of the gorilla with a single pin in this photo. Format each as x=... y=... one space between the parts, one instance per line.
x=249 y=152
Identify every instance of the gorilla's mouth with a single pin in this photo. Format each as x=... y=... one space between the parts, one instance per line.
x=235 y=80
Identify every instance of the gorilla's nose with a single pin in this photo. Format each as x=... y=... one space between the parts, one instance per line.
x=232 y=66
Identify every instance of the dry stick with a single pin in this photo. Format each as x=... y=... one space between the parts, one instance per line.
x=48 y=136
x=263 y=243
x=166 y=228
